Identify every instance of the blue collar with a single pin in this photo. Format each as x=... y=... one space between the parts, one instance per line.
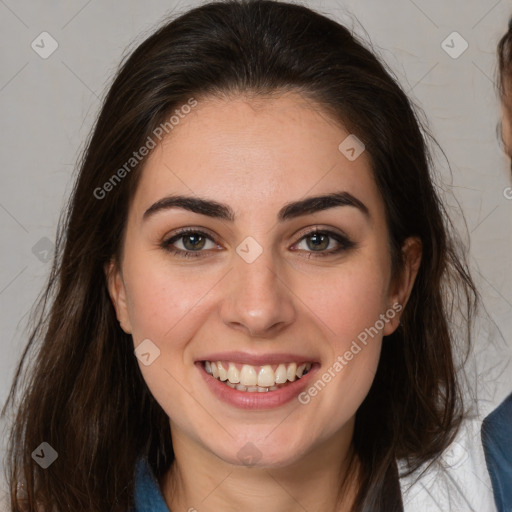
x=148 y=497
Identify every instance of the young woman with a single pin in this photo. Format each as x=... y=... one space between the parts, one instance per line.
x=255 y=294
x=497 y=427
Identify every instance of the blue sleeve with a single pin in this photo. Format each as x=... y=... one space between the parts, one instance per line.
x=497 y=444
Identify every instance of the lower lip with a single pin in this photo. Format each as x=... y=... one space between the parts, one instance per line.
x=256 y=400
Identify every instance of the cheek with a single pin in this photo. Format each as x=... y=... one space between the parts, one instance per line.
x=348 y=300
x=165 y=307
x=163 y=301
x=350 y=304
x=353 y=316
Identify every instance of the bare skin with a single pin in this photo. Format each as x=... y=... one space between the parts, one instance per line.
x=257 y=156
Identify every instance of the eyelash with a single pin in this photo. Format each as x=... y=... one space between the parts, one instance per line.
x=344 y=242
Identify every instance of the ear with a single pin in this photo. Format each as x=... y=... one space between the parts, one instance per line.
x=117 y=292
x=401 y=286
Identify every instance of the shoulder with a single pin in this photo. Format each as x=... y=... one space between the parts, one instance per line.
x=499 y=421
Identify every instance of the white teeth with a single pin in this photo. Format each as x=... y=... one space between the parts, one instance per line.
x=233 y=374
x=223 y=374
x=256 y=379
x=248 y=376
x=251 y=389
x=292 y=371
x=266 y=377
x=281 y=374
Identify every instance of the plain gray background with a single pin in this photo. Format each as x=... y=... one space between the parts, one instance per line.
x=49 y=105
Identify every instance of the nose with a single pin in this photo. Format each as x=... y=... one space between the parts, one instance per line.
x=257 y=298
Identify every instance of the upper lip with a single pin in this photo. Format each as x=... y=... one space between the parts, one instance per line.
x=258 y=359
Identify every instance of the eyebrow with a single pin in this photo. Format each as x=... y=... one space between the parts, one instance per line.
x=289 y=211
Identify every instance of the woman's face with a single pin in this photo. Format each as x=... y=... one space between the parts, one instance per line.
x=258 y=287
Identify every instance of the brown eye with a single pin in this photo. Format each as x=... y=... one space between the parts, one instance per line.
x=192 y=240
x=318 y=241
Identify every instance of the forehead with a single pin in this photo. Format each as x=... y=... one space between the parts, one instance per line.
x=255 y=151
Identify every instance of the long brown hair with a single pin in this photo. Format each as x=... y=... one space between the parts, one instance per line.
x=85 y=395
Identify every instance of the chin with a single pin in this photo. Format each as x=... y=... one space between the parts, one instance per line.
x=262 y=453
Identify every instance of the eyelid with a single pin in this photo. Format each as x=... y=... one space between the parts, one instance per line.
x=321 y=229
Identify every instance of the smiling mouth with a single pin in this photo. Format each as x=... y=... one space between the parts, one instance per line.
x=256 y=379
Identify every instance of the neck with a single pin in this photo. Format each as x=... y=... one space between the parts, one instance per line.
x=200 y=480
